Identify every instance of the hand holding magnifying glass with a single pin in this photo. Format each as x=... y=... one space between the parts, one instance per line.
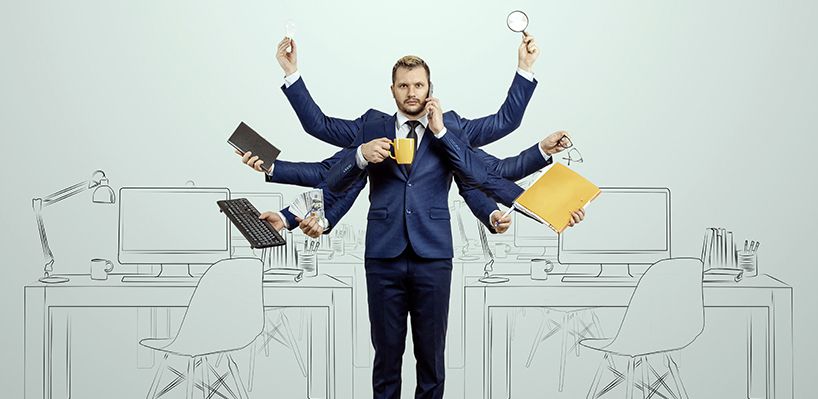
x=528 y=52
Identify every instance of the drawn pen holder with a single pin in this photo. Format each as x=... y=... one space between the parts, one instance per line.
x=747 y=262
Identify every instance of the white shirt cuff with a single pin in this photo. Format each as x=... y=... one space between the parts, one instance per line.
x=359 y=158
x=528 y=75
x=272 y=168
x=292 y=78
x=442 y=132
x=283 y=219
x=539 y=147
x=490 y=221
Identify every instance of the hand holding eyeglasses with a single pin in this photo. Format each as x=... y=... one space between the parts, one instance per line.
x=555 y=142
x=560 y=141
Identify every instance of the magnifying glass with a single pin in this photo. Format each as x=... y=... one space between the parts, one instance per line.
x=517 y=21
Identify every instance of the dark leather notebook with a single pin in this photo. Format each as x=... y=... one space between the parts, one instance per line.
x=244 y=139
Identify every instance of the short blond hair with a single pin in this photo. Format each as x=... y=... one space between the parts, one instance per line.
x=410 y=62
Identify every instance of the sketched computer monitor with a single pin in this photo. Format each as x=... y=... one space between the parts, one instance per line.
x=624 y=226
x=532 y=236
x=173 y=227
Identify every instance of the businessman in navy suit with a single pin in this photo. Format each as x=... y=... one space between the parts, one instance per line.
x=480 y=131
x=408 y=240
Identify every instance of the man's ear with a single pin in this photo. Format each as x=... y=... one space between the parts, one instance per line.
x=392 y=90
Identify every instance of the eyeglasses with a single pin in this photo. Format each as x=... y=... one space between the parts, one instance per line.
x=573 y=153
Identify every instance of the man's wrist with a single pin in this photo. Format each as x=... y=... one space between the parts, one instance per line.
x=440 y=134
x=359 y=158
x=545 y=154
x=283 y=220
x=291 y=78
x=527 y=73
x=491 y=219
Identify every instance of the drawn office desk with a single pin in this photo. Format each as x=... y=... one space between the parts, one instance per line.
x=319 y=292
x=770 y=301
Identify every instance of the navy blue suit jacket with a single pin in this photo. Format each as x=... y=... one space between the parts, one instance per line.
x=404 y=209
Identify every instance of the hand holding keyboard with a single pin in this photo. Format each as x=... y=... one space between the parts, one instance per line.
x=259 y=233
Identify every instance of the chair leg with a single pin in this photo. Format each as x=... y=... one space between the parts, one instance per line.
x=597 y=323
x=536 y=344
x=577 y=332
x=158 y=376
x=677 y=379
x=191 y=376
x=564 y=351
x=202 y=374
x=629 y=380
x=234 y=373
x=252 y=369
x=645 y=380
x=206 y=388
x=293 y=344
x=597 y=378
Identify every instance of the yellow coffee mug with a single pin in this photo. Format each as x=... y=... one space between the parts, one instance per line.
x=404 y=150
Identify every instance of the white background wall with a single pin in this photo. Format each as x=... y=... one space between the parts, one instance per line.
x=714 y=99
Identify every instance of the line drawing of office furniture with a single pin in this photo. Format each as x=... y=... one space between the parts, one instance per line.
x=225 y=314
x=487 y=374
x=103 y=194
x=571 y=325
x=329 y=299
x=674 y=321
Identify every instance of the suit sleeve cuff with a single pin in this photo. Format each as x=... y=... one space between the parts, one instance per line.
x=283 y=219
x=442 y=132
x=292 y=78
x=359 y=158
x=526 y=74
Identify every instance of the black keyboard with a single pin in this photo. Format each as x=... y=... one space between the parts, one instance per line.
x=258 y=232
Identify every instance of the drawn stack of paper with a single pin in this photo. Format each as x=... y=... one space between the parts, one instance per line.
x=719 y=256
x=307 y=203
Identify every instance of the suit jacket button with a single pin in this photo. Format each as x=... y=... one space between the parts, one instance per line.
x=408 y=211
x=409 y=184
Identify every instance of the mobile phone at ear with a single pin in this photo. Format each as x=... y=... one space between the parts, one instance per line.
x=431 y=90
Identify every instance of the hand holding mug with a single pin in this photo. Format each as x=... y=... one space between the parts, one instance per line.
x=377 y=150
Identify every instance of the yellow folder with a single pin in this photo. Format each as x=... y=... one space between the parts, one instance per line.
x=554 y=195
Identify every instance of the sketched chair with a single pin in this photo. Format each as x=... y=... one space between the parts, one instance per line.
x=665 y=314
x=574 y=324
x=225 y=314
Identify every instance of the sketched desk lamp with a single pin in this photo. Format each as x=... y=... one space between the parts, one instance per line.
x=103 y=194
x=488 y=278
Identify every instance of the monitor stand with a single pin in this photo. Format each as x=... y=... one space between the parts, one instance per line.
x=610 y=274
x=169 y=274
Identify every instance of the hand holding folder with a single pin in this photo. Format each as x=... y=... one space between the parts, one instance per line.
x=555 y=196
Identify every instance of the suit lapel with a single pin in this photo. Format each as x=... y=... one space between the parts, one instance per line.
x=388 y=130
x=428 y=136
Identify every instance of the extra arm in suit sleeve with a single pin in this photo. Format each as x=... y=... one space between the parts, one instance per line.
x=337 y=205
x=306 y=174
x=336 y=131
x=481 y=206
x=488 y=129
x=345 y=172
x=472 y=171
x=517 y=167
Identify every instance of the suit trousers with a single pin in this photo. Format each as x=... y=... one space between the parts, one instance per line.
x=417 y=287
